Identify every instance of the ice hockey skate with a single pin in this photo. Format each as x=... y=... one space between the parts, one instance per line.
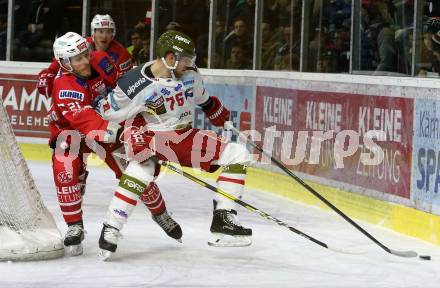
x=171 y=227
x=227 y=230
x=108 y=242
x=73 y=239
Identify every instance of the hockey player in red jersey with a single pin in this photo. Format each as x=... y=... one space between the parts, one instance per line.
x=103 y=30
x=73 y=93
x=103 y=33
x=165 y=93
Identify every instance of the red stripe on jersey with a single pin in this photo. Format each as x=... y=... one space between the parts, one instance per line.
x=125 y=198
x=226 y=179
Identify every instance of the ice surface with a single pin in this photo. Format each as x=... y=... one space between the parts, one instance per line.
x=146 y=257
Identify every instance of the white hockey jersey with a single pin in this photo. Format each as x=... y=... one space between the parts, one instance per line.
x=166 y=104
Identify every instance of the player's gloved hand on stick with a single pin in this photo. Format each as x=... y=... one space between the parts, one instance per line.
x=45 y=82
x=215 y=111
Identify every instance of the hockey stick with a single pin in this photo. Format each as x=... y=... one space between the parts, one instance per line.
x=228 y=125
x=250 y=207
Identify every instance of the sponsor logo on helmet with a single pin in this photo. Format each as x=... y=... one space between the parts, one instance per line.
x=82 y=46
x=133 y=87
x=183 y=39
x=105 y=23
x=69 y=94
x=64 y=177
x=177 y=48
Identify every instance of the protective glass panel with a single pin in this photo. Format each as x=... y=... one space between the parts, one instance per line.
x=428 y=62
x=328 y=39
x=281 y=35
x=234 y=34
x=133 y=20
x=190 y=17
x=37 y=23
x=386 y=37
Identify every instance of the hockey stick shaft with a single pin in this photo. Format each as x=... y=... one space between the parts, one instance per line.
x=319 y=196
x=243 y=204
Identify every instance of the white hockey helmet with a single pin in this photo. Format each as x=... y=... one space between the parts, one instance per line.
x=103 y=21
x=67 y=46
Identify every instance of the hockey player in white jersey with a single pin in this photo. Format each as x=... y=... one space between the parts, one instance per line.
x=165 y=92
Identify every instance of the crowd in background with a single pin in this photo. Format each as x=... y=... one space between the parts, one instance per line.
x=386 y=31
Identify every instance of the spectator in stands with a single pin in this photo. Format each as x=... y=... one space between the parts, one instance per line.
x=430 y=55
x=280 y=12
x=136 y=42
x=144 y=54
x=379 y=21
x=173 y=26
x=44 y=23
x=202 y=44
x=287 y=55
x=240 y=35
x=239 y=58
x=245 y=9
x=326 y=62
x=269 y=46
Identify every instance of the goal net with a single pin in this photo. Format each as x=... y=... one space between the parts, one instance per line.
x=27 y=229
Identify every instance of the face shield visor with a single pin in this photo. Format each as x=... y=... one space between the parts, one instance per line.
x=188 y=60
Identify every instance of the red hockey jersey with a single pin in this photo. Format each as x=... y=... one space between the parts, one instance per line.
x=72 y=105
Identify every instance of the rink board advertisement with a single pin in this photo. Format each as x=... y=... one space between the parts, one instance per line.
x=239 y=99
x=426 y=156
x=308 y=111
x=27 y=109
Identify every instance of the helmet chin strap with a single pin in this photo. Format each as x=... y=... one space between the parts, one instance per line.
x=170 y=68
x=66 y=65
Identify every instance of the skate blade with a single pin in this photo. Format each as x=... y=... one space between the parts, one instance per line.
x=74 y=250
x=104 y=255
x=223 y=240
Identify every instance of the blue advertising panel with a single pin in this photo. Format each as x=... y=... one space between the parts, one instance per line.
x=239 y=99
x=426 y=156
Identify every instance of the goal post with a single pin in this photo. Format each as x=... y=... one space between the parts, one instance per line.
x=27 y=229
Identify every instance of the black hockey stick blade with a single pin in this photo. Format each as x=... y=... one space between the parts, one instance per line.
x=407 y=254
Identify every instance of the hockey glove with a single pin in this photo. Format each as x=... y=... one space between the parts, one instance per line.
x=45 y=82
x=215 y=111
x=100 y=104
